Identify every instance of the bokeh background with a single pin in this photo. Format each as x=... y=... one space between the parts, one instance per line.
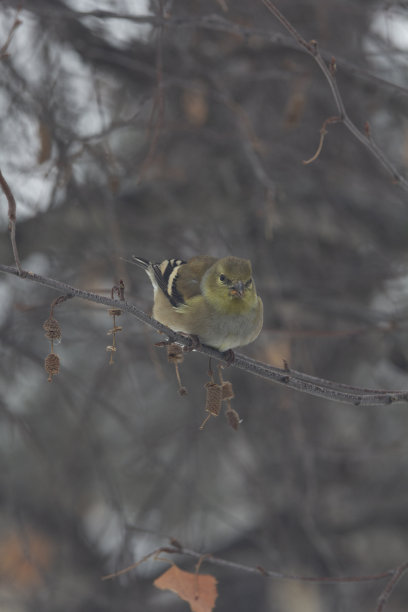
x=170 y=129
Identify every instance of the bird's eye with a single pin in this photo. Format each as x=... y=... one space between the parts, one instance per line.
x=248 y=283
x=222 y=277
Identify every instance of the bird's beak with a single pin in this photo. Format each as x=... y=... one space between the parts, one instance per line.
x=237 y=289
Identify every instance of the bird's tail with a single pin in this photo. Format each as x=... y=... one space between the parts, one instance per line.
x=139 y=261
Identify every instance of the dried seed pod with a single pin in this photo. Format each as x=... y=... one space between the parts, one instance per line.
x=52 y=329
x=227 y=390
x=214 y=398
x=175 y=353
x=114 y=330
x=115 y=312
x=233 y=418
x=175 y=356
x=52 y=365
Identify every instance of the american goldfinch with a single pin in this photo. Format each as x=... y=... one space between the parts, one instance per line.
x=214 y=299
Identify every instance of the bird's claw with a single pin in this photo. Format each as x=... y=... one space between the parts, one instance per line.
x=195 y=342
x=229 y=356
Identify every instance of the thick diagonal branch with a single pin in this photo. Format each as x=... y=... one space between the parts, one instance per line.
x=290 y=378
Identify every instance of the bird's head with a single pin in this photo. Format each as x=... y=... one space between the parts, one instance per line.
x=229 y=286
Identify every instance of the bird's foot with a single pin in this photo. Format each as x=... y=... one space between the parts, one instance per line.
x=195 y=342
x=229 y=356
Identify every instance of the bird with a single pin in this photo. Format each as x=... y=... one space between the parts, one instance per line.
x=210 y=299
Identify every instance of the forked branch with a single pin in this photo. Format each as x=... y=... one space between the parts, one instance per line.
x=329 y=71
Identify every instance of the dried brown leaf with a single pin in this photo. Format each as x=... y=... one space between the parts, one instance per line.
x=199 y=590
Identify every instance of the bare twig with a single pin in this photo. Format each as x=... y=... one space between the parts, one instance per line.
x=323 y=133
x=329 y=72
x=12 y=209
x=390 y=586
x=125 y=570
x=396 y=573
x=216 y=22
x=290 y=378
x=16 y=23
x=209 y=558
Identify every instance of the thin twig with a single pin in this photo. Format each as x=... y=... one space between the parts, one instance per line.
x=390 y=586
x=209 y=558
x=129 y=568
x=329 y=72
x=215 y=22
x=305 y=383
x=12 y=210
x=323 y=133
x=16 y=23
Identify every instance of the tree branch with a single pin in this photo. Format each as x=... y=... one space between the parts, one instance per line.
x=15 y=25
x=292 y=379
x=176 y=549
x=180 y=550
x=329 y=72
x=390 y=586
x=213 y=22
x=218 y=23
x=12 y=211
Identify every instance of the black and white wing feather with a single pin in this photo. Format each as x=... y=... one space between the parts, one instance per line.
x=164 y=277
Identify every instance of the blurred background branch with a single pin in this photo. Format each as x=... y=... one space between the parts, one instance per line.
x=172 y=129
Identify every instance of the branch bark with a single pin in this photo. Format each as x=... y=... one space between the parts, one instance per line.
x=213 y=560
x=12 y=215
x=292 y=379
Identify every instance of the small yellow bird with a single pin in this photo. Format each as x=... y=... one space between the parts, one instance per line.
x=214 y=299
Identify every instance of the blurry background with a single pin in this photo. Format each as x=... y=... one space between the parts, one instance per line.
x=170 y=129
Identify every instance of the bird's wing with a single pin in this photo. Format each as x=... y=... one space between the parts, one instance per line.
x=190 y=276
x=170 y=273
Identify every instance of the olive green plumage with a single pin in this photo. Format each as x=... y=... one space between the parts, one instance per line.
x=214 y=299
